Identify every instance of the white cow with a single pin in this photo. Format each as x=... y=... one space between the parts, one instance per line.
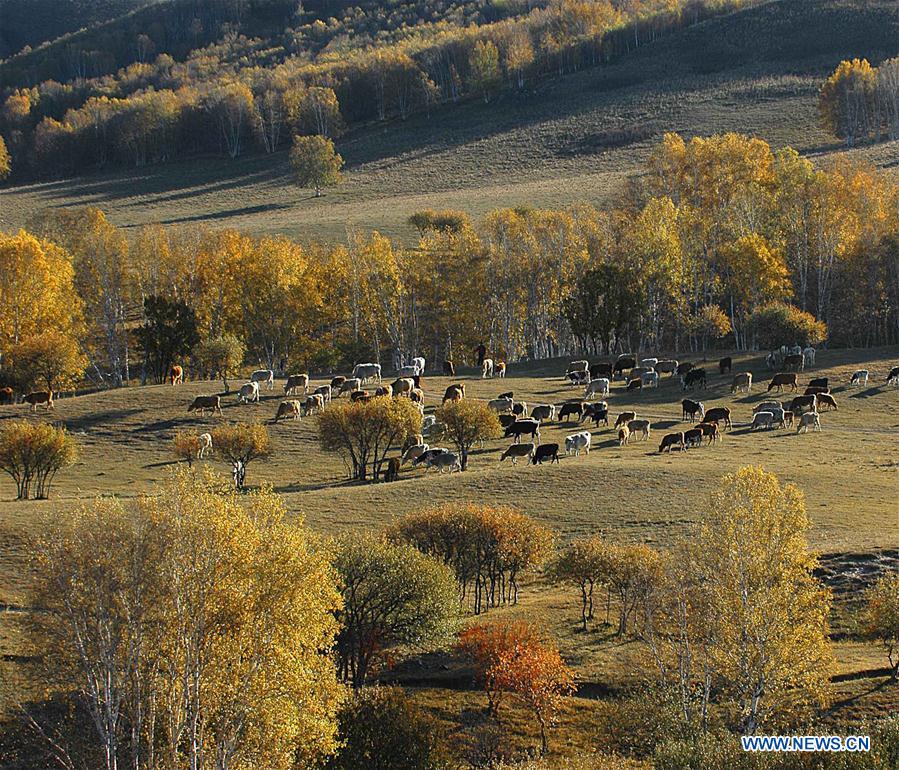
x=446 y=461
x=599 y=386
x=205 y=445
x=264 y=377
x=767 y=406
x=414 y=452
x=487 y=368
x=419 y=363
x=366 y=372
x=642 y=426
x=577 y=366
x=576 y=442
x=428 y=423
x=808 y=356
x=408 y=371
x=500 y=404
x=806 y=420
x=650 y=379
x=248 y=392
x=859 y=377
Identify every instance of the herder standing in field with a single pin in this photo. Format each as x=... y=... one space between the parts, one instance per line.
x=481 y=351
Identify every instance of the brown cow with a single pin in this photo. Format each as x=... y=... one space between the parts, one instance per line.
x=718 y=414
x=202 y=403
x=39 y=397
x=393 y=469
x=360 y=395
x=295 y=382
x=384 y=390
x=710 y=431
x=454 y=393
x=417 y=395
x=794 y=362
x=7 y=396
x=624 y=418
x=826 y=399
x=783 y=378
x=176 y=375
x=624 y=434
x=669 y=440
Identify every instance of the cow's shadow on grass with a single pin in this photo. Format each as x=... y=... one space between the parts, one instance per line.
x=664 y=424
x=867 y=393
x=96 y=419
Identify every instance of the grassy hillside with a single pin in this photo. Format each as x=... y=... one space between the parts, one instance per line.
x=848 y=472
x=571 y=139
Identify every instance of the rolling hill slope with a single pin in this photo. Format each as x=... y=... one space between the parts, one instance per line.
x=570 y=139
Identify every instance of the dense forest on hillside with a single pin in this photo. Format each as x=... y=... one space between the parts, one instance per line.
x=197 y=77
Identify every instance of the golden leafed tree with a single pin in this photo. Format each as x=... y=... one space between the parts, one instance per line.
x=32 y=454
x=315 y=162
x=881 y=617
x=194 y=626
x=846 y=100
x=50 y=361
x=465 y=423
x=5 y=163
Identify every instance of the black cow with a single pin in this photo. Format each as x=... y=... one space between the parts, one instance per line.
x=505 y=420
x=693 y=437
x=691 y=409
x=598 y=412
x=521 y=428
x=600 y=370
x=576 y=409
x=669 y=440
x=693 y=378
x=725 y=365
x=819 y=382
x=623 y=362
x=545 y=451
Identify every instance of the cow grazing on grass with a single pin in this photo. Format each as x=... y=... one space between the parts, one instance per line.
x=577 y=366
x=520 y=408
x=624 y=435
x=264 y=377
x=718 y=414
x=825 y=399
x=402 y=385
x=819 y=382
x=694 y=378
x=597 y=411
x=407 y=371
x=176 y=375
x=781 y=379
x=294 y=383
x=575 y=408
x=544 y=452
x=352 y=384
x=859 y=377
x=764 y=420
x=804 y=403
x=427 y=457
x=446 y=462
x=487 y=368
x=893 y=376
x=576 y=442
x=500 y=405
x=578 y=378
x=366 y=372
x=248 y=392
x=600 y=369
x=691 y=409
x=454 y=393
x=693 y=437
x=808 y=420
x=814 y=390
x=526 y=427
x=385 y=391
x=360 y=395
x=544 y=412
x=667 y=366
x=623 y=362
x=290 y=409
x=205 y=445
x=506 y=419
x=518 y=450
x=202 y=403
x=598 y=386
x=794 y=362
x=337 y=383
x=742 y=382
x=641 y=426
x=669 y=440
x=314 y=403
x=650 y=379
x=683 y=368
x=324 y=391
x=726 y=364
x=624 y=418
x=636 y=384
x=412 y=453
x=710 y=431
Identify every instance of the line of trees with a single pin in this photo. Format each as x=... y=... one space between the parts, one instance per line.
x=722 y=241
x=860 y=102
x=240 y=92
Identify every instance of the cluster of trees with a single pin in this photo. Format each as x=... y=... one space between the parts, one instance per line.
x=240 y=91
x=723 y=239
x=32 y=453
x=488 y=548
x=859 y=102
x=202 y=627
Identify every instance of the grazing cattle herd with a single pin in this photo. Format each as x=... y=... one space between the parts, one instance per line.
x=521 y=424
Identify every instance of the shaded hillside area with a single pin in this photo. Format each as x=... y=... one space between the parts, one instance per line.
x=571 y=139
x=32 y=22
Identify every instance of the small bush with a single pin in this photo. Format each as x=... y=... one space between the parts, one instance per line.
x=381 y=729
x=32 y=454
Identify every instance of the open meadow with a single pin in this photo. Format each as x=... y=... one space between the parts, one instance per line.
x=849 y=472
